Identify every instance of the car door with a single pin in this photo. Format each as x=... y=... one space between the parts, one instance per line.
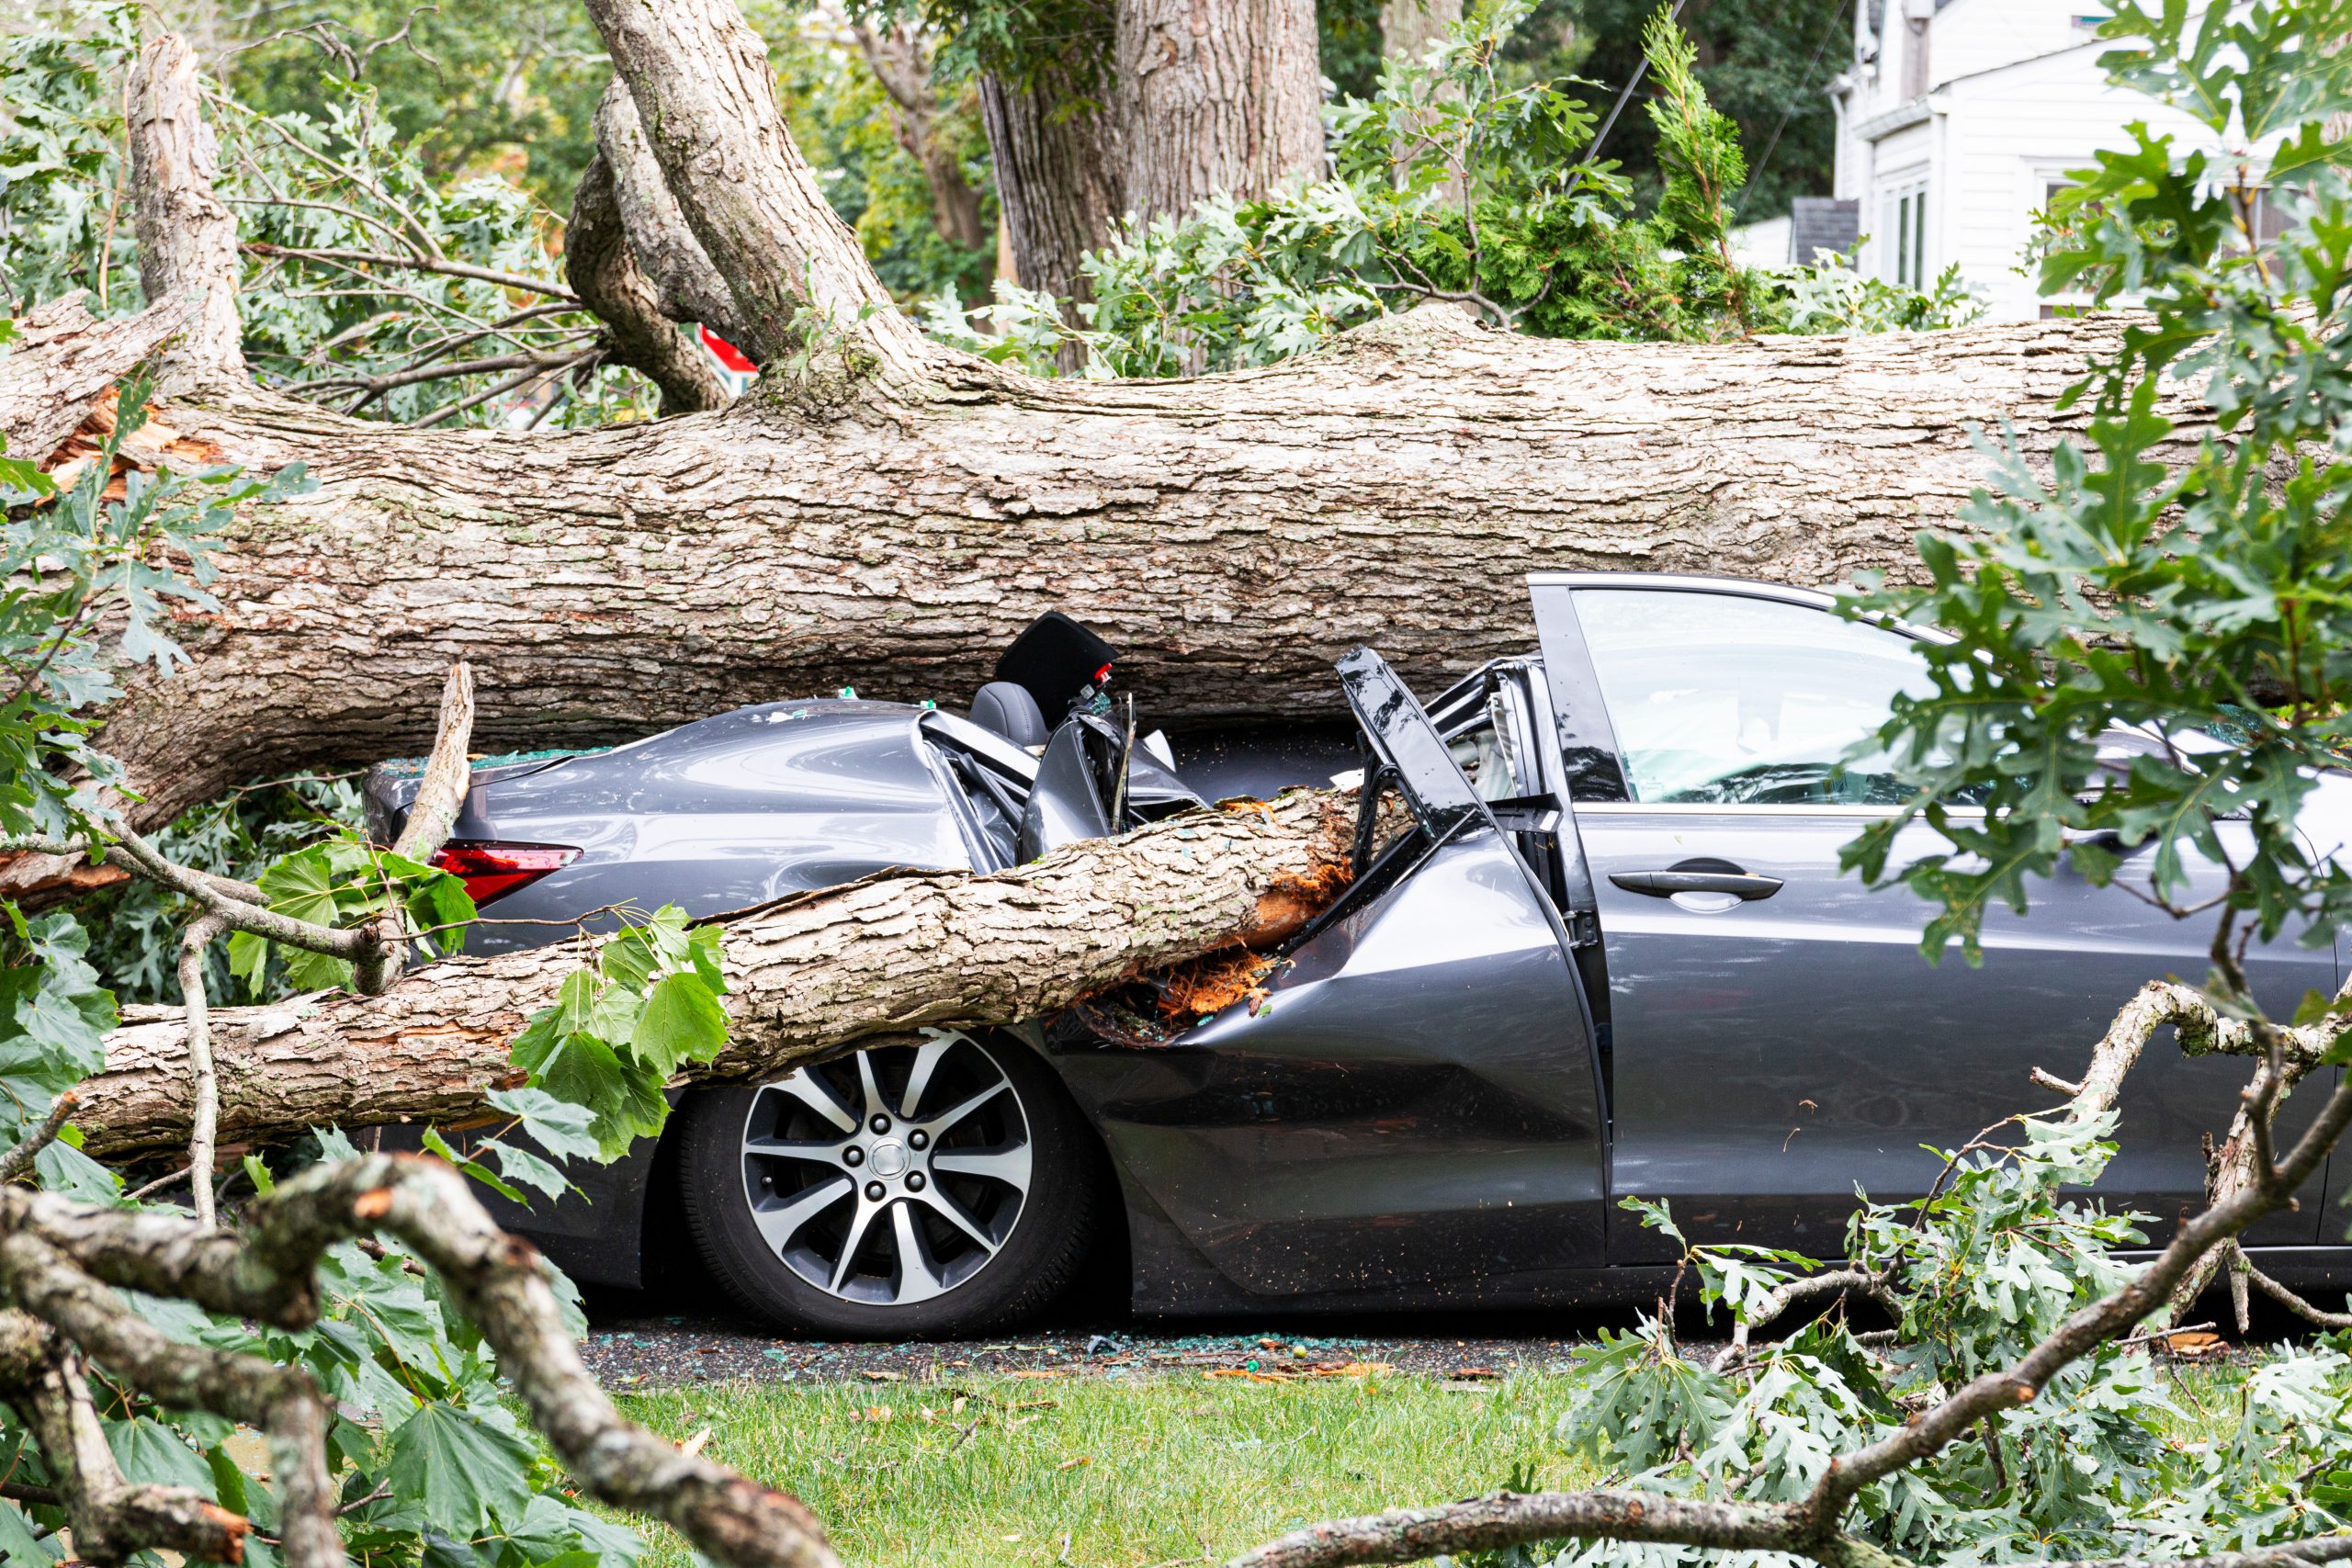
x=1776 y=1040
x=1410 y=1107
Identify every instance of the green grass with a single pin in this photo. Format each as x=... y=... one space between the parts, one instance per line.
x=1088 y=1471
x=1133 y=1471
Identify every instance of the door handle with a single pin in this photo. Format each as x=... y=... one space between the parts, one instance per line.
x=1696 y=879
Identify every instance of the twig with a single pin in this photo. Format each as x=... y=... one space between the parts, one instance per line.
x=158 y=1185
x=419 y=264
x=2292 y=1301
x=19 y=1160
x=204 y=1120
x=450 y=410
x=2156 y=1334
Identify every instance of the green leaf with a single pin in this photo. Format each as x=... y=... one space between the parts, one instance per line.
x=557 y=1126
x=248 y=960
x=682 y=1022
x=522 y=1165
x=438 y=1144
x=148 y=1451
x=302 y=885
x=18 y=1545
x=624 y=1098
x=463 y=1473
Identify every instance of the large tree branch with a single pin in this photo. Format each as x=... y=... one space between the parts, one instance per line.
x=598 y=261
x=809 y=976
x=63 y=1263
x=687 y=287
x=63 y=361
x=1232 y=535
x=704 y=97
x=42 y=1377
x=188 y=238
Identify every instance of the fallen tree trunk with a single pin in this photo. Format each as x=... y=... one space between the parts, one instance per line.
x=62 y=360
x=1233 y=535
x=806 y=977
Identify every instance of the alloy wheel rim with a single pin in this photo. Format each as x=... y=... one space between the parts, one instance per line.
x=891 y=1177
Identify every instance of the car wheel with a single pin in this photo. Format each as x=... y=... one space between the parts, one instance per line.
x=940 y=1189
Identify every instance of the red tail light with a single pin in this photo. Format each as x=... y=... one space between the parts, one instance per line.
x=493 y=871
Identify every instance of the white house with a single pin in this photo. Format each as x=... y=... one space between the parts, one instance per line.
x=1958 y=120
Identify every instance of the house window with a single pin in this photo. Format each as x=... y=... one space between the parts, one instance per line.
x=1903 y=253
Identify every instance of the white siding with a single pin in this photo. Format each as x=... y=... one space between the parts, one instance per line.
x=2012 y=134
x=1974 y=36
x=2016 y=99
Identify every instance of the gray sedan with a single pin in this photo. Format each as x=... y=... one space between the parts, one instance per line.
x=1611 y=955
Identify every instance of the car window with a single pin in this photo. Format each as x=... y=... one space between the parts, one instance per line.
x=1718 y=698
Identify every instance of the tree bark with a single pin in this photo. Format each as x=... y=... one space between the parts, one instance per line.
x=1407 y=28
x=62 y=360
x=686 y=286
x=706 y=100
x=1233 y=537
x=806 y=977
x=601 y=268
x=187 y=238
x=1057 y=154
x=900 y=62
x=1217 y=98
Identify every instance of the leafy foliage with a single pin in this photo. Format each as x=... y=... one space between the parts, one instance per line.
x=133 y=926
x=342 y=883
x=1992 y=1261
x=504 y=87
x=842 y=120
x=70 y=561
x=1450 y=184
x=621 y=1029
x=2153 y=635
x=1765 y=64
x=96 y=573
x=334 y=176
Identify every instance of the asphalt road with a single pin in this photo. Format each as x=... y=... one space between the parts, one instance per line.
x=636 y=1341
x=642 y=1342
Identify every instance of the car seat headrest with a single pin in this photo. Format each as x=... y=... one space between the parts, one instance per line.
x=1006 y=707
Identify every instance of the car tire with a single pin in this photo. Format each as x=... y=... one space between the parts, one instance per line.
x=993 y=1180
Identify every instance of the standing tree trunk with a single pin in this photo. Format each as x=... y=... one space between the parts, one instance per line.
x=1057 y=156
x=1218 y=97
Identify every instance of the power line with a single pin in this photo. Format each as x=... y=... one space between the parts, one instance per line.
x=1624 y=93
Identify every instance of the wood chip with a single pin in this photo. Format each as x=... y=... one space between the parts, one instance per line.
x=2195 y=1345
